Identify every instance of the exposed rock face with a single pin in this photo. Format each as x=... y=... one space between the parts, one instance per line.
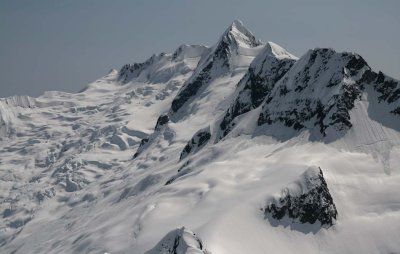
x=142 y=146
x=179 y=241
x=319 y=90
x=316 y=92
x=266 y=69
x=132 y=71
x=161 y=121
x=191 y=88
x=388 y=88
x=306 y=201
x=198 y=141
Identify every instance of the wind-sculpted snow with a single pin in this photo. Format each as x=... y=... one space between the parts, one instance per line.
x=140 y=152
x=306 y=201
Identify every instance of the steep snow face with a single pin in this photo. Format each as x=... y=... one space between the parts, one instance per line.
x=277 y=51
x=234 y=51
x=266 y=69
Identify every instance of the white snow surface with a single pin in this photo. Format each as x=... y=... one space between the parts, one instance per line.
x=179 y=241
x=69 y=183
x=278 y=52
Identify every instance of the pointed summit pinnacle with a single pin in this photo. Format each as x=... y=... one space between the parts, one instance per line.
x=240 y=35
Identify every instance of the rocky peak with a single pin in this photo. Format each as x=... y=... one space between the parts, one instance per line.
x=307 y=200
x=319 y=90
x=239 y=35
x=222 y=60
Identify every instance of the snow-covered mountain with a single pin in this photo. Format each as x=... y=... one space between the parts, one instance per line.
x=240 y=147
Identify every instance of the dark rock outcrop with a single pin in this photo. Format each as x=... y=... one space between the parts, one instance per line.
x=161 y=121
x=131 y=71
x=306 y=201
x=191 y=88
x=320 y=90
x=198 y=141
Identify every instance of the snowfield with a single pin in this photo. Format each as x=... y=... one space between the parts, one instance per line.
x=184 y=153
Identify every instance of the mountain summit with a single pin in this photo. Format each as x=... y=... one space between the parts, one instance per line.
x=240 y=147
x=237 y=33
x=231 y=55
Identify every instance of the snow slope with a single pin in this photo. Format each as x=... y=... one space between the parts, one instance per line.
x=139 y=161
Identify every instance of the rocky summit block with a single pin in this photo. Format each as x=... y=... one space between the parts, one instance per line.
x=305 y=201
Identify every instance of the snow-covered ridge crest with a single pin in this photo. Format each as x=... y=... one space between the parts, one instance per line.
x=278 y=51
x=188 y=51
x=163 y=67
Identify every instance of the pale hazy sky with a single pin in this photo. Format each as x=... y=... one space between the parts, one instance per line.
x=65 y=44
